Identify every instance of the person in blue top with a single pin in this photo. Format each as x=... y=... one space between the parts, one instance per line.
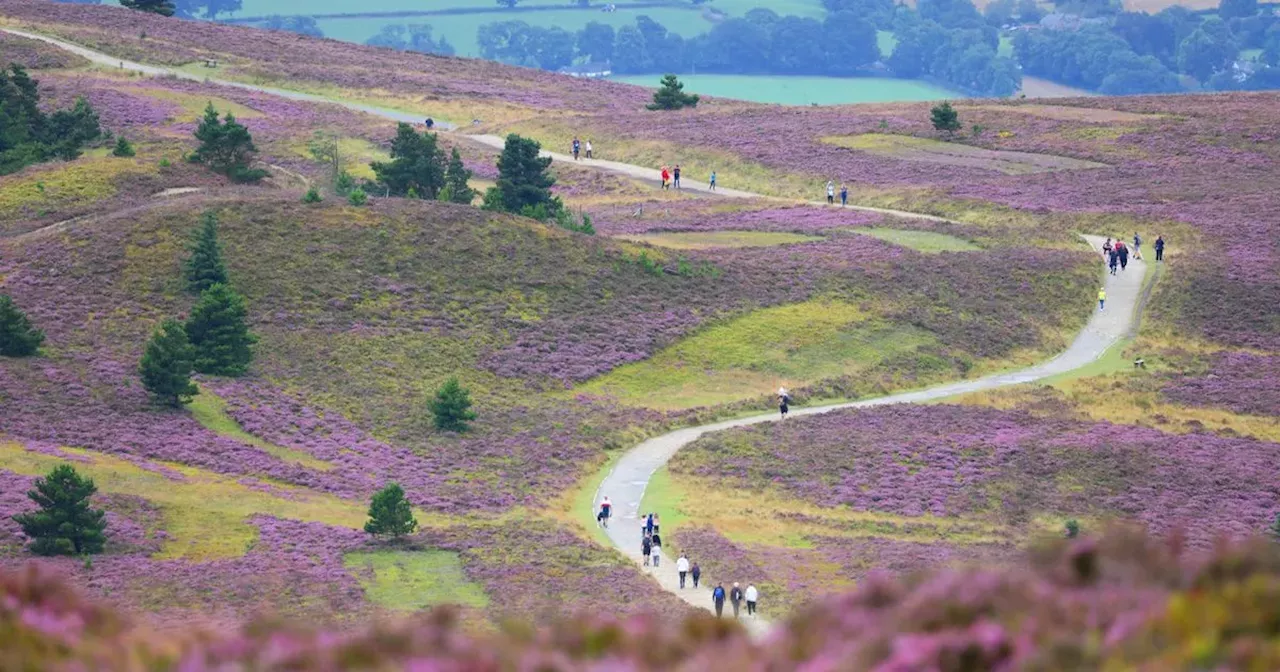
x=844 y=195
x=577 y=147
x=717 y=597
x=713 y=180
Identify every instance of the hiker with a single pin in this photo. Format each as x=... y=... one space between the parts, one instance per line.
x=713 y=180
x=656 y=542
x=1137 y=245
x=1124 y=256
x=646 y=548
x=682 y=567
x=588 y=148
x=717 y=598
x=844 y=195
x=1113 y=259
x=577 y=145
x=1102 y=298
x=648 y=525
x=1106 y=248
x=831 y=192
x=606 y=508
x=784 y=401
x=430 y=123
x=675 y=176
x=657 y=521
x=1159 y=248
x=666 y=175
x=735 y=598
x=752 y=595
x=696 y=573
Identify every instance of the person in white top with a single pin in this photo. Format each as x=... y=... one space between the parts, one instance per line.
x=588 y=149
x=831 y=192
x=682 y=566
x=752 y=596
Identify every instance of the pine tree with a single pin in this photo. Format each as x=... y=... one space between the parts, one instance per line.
x=417 y=165
x=455 y=180
x=219 y=332
x=166 y=365
x=451 y=407
x=523 y=181
x=122 y=149
x=18 y=338
x=204 y=267
x=161 y=7
x=945 y=118
x=671 y=96
x=226 y=147
x=390 y=513
x=64 y=524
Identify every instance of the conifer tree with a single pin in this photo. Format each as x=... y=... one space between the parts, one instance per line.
x=219 y=332
x=671 y=96
x=390 y=513
x=417 y=165
x=523 y=180
x=122 y=149
x=226 y=147
x=451 y=407
x=166 y=365
x=64 y=524
x=945 y=118
x=18 y=337
x=456 y=189
x=205 y=267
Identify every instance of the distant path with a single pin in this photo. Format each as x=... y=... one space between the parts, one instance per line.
x=626 y=483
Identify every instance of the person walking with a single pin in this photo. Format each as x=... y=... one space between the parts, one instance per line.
x=657 y=523
x=735 y=598
x=648 y=525
x=656 y=542
x=712 y=183
x=1137 y=245
x=784 y=401
x=831 y=192
x=844 y=195
x=696 y=574
x=588 y=148
x=431 y=123
x=646 y=549
x=1102 y=298
x=675 y=176
x=666 y=175
x=577 y=146
x=606 y=509
x=752 y=596
x=682 y=567
x=1124 y=257
x=1106 y=248
x=1159 y=248
x=717 y=598
x=1113 y=260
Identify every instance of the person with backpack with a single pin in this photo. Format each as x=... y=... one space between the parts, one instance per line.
x=430 y=123
x=577 y=146
x=1159 y=248
x=606 y=509
x=717 y=598
x=675 y=176
x=646 y=549
x=735 y=598
x=696 y=574
x=648 y=525
x=752 y=596
x=712 y=183
x=656 y=542
x=682 y=568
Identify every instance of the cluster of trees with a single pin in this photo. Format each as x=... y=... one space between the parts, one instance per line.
x=1093 y=58
x=303 y=25
x=226 y=147
x=28 y=135
x=413 y=37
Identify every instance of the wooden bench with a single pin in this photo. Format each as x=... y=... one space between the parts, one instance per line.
x=210 y=63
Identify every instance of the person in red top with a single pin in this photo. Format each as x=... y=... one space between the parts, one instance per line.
x=666 y=176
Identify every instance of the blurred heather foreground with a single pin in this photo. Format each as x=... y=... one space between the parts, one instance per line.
x=1121 y=601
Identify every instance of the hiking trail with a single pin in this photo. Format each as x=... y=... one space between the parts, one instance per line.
x=626 y=482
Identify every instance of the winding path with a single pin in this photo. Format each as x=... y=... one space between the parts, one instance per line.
x=626 y=483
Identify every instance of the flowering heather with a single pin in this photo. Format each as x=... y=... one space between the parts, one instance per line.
x=1121 y=602
x=1002 y=466
x=1241 y=381
x=710 y=214
x=36 y=55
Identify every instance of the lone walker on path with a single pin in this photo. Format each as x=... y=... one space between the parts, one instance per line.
x=717 y=598
x=752 y=596
x=1159 y=248
x=784 y=401
x=712 y=183
x=682 y=566
x=606 y=508
x=1102 y=298
x=1137 y=246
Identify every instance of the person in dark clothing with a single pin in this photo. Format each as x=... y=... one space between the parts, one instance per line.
x=646 y=548
x=1159 y=248
x=735 y=598
x=430 y=123
x=696 y=573
x=648 y=525
x=657 y=548
x=1124 y=258
x=1113 y=260
x=717 y=598
x=675 y=176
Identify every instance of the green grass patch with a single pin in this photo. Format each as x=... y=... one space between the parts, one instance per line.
x=747 y=356
x=705 y=240
x=193 y=104
x=407 y=580
x=791 y=90
x=56 y=185
x=921 y=241
x=356 y=153
x=210 y=411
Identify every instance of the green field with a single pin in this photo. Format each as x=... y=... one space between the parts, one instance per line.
x=805 y=90
x=460 y=29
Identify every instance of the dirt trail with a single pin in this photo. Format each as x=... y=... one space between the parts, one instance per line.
x=626 y=483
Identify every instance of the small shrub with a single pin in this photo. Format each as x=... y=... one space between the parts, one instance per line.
x=945 y=118
x=312 y=196
x=977 y=130
x=649 y=265
x=122 y=149
x=1072 y=528
x=164 y=163
x=357 y=197
x=451 y=407
x=344 y=183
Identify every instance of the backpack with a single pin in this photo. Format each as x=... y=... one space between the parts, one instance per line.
x=718 y=594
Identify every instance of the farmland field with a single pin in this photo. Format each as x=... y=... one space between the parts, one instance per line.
x=804 y=90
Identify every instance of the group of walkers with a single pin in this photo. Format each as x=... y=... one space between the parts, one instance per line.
x=831 y=194
x=736 y=597
x=578 y=148
x=1117 y=254
x=671 y=178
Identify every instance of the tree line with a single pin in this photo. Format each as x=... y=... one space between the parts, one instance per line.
x=28 y=135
